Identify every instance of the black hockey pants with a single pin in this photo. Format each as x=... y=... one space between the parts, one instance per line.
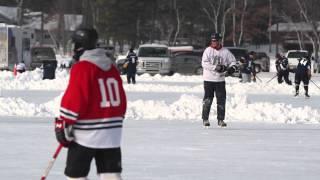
x=131 y=76
x=285 y=76
x=219 y=89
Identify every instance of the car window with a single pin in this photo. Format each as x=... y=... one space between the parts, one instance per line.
x=179 y=59
x=259 y=54
x=153 y=52
x=238 y=53
x=43 y=53
x=297 y=54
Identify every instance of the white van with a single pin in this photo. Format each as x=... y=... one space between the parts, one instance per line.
x=153 y=59
x=293 y=56
x=15 y=44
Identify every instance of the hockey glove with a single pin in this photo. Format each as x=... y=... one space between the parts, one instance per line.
x=63 y=132
x=220 y=68
x=231 y=70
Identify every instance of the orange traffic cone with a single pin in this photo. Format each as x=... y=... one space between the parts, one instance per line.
x=15 y=70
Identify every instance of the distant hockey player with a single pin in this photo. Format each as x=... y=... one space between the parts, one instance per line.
x=132 y=62
x=247 y=68
x=21 y=67
x=92 y=111
x=217 y=61
x=282 y=66
x=252 y=58
x=303 y=73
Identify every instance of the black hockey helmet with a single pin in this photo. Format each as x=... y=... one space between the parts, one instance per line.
x=216 y=37
x=85 y=38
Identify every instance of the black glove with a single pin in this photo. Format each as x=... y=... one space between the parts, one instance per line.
x=309 y=76
x=231 y=70
x=63 y=132
x=220 y=68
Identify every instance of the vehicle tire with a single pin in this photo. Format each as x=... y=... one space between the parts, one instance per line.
x=198 y=71
x=170 y=73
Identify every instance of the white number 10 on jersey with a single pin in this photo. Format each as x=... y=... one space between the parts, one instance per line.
x=109 y=87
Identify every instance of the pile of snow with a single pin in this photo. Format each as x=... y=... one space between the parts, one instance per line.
x=176 y=97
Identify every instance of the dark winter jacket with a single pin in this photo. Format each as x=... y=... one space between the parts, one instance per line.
x=247 y=66
x=282 y=64
x=132 y=61
x=303 y=67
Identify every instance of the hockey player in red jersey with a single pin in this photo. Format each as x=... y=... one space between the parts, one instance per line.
x=92 y=111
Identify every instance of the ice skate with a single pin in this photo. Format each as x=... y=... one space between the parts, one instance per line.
x=206 y=123
x=307 y=95
x=221 y=123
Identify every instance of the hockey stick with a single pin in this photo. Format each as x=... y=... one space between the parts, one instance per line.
x=258 y=78
x=51 y=162
x=315 y=84
x=271 y=79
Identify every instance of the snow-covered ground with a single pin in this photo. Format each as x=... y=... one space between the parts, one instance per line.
x=270 y=134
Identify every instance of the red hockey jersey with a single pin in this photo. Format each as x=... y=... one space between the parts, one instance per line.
x=95 y=101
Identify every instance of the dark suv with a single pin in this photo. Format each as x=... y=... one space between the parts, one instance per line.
x=40 y=55
x=188 y=62
x=238 y=53
x=262 y=62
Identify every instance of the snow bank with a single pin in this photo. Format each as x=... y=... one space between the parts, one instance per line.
x=257 y=102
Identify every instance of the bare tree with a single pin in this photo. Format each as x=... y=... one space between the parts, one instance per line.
x=234 y=23
x=87 y=13
x=314 y=26
x=179 y=19
x=61 y=36
x=20 y=12
x=289 y=20
x=214 y=16
x=270 y=24
x=138 y=22
x=243 y=12
x=223 y=23
x=217 y=15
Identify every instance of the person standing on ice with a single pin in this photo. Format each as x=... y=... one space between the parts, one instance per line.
x=131 y=65
x=217 y=62
x=21 y=67
x=92 y=111
x=303 y=73
x=282 y=66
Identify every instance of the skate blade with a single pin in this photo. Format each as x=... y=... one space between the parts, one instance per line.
x=223 y=126
x=206 y=127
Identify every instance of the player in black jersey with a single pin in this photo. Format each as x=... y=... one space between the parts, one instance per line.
x=303 y=73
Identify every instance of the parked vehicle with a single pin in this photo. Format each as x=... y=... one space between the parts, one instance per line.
x=119 y=63
x=238 y=53
x=186 y=63
x=262 y=62
x=41 y=55
x=15 y=43
x=293 y=56
x=154 y=59
x=110 y=50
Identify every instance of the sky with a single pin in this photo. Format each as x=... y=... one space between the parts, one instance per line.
x=270 y=134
